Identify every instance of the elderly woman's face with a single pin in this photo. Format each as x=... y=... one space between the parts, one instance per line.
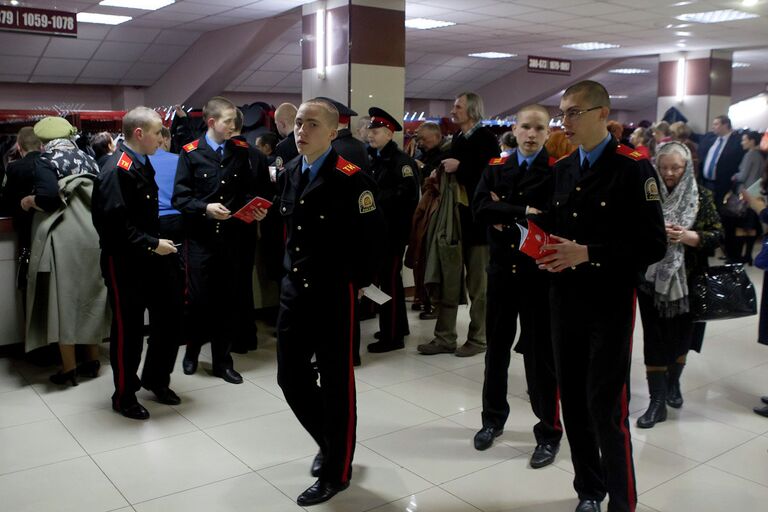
x=671 y=168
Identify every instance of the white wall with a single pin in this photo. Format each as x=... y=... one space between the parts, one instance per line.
x=751 y=113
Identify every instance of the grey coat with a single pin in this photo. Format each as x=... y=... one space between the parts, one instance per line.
x=66 y=296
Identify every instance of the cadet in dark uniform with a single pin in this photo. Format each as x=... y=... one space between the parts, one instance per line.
x=608 y=227
x=510 y=189
x=394 y=172
x=285 y=151
x=333 y=233
x=214 y=179
x=125 y=214
x=350 y=148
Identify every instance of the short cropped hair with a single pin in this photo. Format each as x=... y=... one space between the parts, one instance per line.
x=508 y=139
x=616 y=129
x=680 y=130
x=331 y=113
x=165 y=132
x=27 y=140
x=286 y=111
x=725 y=120
x=475 y=109
x=139 y=117
x=594 y=92
x=753 y=136
x=535 y=107
x=239 y=120
x=216 y=106
x=430 y=126
x=268 y=139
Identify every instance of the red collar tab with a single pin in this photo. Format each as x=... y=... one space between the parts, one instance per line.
x=631 y=153
x=346 y=167
x=191 y=146
x=498 y=161
x=125 y=162
x=552 y=160
x=384 y=121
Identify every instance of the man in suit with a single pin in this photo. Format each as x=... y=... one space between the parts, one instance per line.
x=720 y=152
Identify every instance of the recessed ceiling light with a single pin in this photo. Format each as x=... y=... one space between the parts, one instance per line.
x=592 y=45
x=682 y=34
x=749 y=3
x=618 y=96
x=426 y=24
x=147 y=5
x=681 y=45
x=741 y=65
x=493 y=55
x=716 y=16
x=680 y=4
x=103 y=19
x=678 y=25
x=14 y=2
x=629 y=71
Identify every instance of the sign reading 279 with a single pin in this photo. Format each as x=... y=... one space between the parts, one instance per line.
x=42 y=21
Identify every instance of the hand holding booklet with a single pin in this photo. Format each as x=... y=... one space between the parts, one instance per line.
x=247 y=212
x=375 y=294
x=533 y=239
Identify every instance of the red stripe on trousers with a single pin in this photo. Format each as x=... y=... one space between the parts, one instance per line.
x=351 y=387
x=394 y=301
x=631 y=497
x=120 y=333
x=557 y=424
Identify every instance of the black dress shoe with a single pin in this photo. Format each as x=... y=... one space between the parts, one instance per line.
x=382 y=346
x=166 y=396
x=319 y=492
x=317 y=465
x=229 y=375
x=762 y=411
x=484 y=438
x=189 y=365
x=62 y=378
x=764 y=399
x=588 y=506
x=377 y=335
x=89 y=369
x=134 y=411
x=544 y=455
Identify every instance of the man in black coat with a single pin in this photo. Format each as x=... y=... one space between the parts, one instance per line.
x=19 y=184
x=395 y=175
x=510 y=189
x=607 y=227
x=285 y=151
x=333 y=230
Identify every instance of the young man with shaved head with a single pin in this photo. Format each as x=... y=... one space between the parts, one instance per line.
x=333 y=229
x=607 y=227
x=510 y=189
x=285 y=151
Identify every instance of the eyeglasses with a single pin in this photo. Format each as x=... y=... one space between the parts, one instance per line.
x=574 y=114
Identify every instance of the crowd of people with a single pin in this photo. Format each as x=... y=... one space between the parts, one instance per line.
x=565 y=224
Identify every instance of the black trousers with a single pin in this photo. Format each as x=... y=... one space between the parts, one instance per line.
x=216 y=301
x=393 y=319
x=664 y=339
x=245 y=338
x=136 y=284
x=592 y=324
x=509 y=296
x=319 y=321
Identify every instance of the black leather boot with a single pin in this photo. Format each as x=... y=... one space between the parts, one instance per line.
x=657 y=409
x=674 y=397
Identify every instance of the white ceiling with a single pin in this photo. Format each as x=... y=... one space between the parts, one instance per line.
x=139 y=51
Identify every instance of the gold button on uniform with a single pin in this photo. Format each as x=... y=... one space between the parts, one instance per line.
x=602 y=203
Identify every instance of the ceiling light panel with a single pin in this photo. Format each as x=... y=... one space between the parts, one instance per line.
x=493 y=55
x=630 y=71
x=716 y=16
x=426 y=23
x=102 y=19
x=590 y=46
x=147 y=5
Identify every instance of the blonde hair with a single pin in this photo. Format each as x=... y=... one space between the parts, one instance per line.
x=216 y=106
x=139 y=117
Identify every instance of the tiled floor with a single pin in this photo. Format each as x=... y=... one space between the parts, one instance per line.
x=239 y=448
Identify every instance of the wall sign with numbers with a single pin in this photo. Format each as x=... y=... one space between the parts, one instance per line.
x=549 y=65
x=41 y=21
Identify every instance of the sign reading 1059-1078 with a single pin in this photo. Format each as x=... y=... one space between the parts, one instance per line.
x=42 y=21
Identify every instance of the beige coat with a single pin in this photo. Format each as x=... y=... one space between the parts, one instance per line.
x=66 y=296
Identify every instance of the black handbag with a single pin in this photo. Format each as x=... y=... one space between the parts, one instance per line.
x=722 y=292
x=734 y=206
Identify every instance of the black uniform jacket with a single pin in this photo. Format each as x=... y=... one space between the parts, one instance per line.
x=285 y=151
x=614 y=209
x=351 y=149
x=395 y=175
x=201 y=178
x=516 y=189
x=124 y=206
x=19 y=184
x=334 y=228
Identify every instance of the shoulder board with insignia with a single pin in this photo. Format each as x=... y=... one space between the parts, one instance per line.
x=629 y=152
x=239 y=143
x=347 y=168
x=498 y=161
x=191 y=146
x=125 y=162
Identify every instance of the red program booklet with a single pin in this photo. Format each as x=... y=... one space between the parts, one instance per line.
x=533 y=239
x=246 y=213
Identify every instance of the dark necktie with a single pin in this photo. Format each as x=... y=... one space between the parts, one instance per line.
x=220 y=152
x=524 y=166
x=303 y=182
x=585 y=166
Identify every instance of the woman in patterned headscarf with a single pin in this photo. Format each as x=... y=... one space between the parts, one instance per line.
x=693 y=233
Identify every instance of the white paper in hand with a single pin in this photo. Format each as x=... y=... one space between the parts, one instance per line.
x=376 y=295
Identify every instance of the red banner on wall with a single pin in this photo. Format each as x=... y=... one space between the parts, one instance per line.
x=40 y=21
